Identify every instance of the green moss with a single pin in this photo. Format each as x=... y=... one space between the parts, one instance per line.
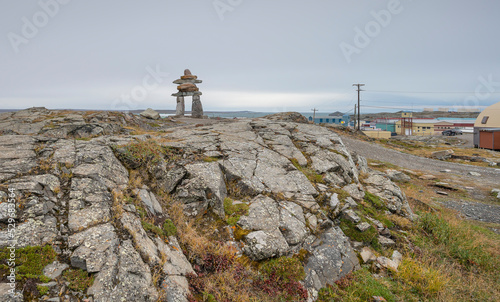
x=374 y=200
x=209 y=159
x=308 y=172
x=240 y=234
x=209 y=297
x=30 y=261
x=370 y=211
x=287 y=268
x=169 y=228
x=43 y=290
x=152 y=228
x=44 y=279
x=233 y=220
x=234 y=211
x=350 y=230
x=78 y=279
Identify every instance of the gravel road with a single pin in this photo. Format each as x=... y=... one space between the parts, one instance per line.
x=489 y=176
x=475 y=211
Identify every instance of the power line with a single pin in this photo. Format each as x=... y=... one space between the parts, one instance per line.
x=436 y=92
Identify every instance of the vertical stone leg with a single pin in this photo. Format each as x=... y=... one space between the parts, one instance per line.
x=197 y=109
x=180 y=106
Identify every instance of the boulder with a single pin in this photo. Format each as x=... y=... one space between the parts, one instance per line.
x=292 y=223
x=93 y=247
x=145 y=245
x=386 y=242
x=203 y=178
x=150 y=201
x=363 y=226
x=54 y=269
x=367 y=255
x=351 y=216
x=331 y=259
x=442 y=155
x=262 y=245
x=150 y=114
x=124 y=277
x=387 y=263
x=397 y=176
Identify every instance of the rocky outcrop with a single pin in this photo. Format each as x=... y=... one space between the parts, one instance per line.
x=294 y=117
x=299 y=181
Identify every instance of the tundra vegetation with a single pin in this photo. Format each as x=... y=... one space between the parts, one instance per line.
x=189 y=213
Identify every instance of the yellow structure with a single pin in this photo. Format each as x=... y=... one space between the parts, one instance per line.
x=378 y=134
x=442 y=126
x=489 y=117
x=418 y=128
x=487 y=128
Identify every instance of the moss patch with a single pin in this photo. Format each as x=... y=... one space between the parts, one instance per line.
x=149 y=227
x=78 y=279
x=374 y=200
x=43 y=290
x=369 y=236
x=169 y=228
x=234 y=211
x=308 y=172
x=30 y=262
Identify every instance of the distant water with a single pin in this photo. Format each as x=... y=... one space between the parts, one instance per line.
x=245 y=114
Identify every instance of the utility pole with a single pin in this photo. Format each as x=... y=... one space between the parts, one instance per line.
x=355 y=116
x=359 y=98
x=314 y=114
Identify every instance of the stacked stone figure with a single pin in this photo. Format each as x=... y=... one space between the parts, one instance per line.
x=187 y=87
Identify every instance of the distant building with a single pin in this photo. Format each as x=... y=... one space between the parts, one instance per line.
x=339 y=120
x=377 y=134
x=443 y=109
x=428 y=109
x=441 y=126
x=473 y=110
x=487 y=128
x=417 y=127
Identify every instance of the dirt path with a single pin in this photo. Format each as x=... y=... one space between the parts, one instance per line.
x=489 y=176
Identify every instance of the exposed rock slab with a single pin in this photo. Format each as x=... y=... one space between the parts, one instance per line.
x=332 y=258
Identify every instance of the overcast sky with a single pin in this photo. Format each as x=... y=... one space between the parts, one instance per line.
x=257 y=55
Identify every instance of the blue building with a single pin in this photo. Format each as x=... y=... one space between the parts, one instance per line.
x=339 y=120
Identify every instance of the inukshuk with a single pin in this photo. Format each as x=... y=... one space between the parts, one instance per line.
x=187 y=87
